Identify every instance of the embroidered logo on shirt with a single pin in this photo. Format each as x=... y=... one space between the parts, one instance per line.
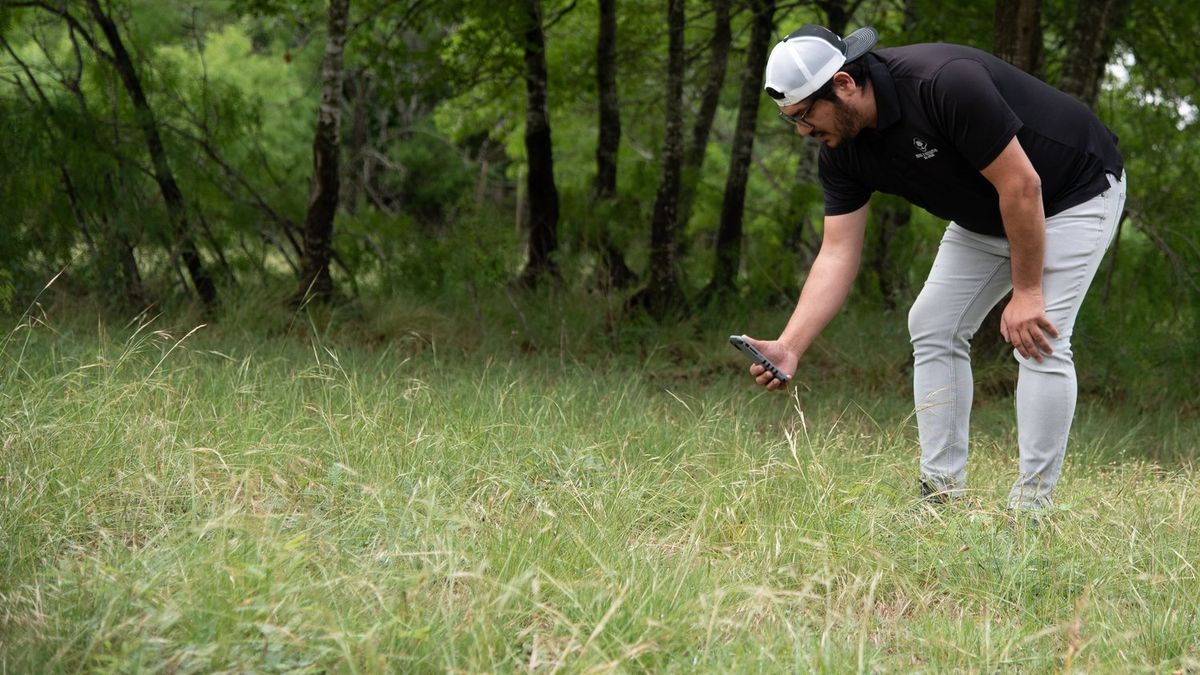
x=923 y=149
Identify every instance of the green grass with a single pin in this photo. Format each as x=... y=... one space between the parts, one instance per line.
x=223 y=501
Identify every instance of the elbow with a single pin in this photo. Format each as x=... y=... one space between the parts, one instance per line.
x=1028 y=187
x=1025 y=190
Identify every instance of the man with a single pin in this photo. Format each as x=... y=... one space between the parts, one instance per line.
x=1033 y=185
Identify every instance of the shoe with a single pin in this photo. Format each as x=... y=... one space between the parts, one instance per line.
x=932 y=495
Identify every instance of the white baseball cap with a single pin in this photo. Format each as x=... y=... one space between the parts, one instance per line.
x=808 y=58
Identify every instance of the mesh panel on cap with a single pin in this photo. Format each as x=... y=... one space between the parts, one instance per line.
x=799 y=65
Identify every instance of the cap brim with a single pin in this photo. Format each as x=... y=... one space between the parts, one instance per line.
x=860 y=42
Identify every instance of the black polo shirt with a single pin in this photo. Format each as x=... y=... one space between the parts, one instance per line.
x=944 y=113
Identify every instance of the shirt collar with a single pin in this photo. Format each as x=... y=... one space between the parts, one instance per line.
x=887 y=103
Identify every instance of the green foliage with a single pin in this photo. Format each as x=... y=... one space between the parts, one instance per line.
x=255 y=109
x=274 y=8
x=433 y=161
x=432 y=174
x=475 y=252
x=1153 y=36
x=42 y=235
x=6 y=291
x=968 y=22
x=229 y=117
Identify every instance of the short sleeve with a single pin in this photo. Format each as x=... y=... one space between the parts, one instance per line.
x=843 y=193
x=971 y=112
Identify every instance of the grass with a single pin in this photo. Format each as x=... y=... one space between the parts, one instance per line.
x=215 y=501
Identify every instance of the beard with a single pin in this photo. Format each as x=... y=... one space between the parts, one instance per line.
x=848 y=122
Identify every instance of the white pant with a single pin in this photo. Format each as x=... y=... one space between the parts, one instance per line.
x=970 y=275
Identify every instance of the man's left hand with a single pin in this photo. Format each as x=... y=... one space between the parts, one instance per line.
x=1024 y=325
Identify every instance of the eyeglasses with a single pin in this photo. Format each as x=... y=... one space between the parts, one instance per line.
x=792 y=121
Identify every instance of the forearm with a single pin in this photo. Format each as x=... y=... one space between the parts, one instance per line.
x=1025 y=225
x=823 y=294
x=1020 y=194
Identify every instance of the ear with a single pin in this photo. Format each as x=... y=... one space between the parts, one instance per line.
x=843 y=83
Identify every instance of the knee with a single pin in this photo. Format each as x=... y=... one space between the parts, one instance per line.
x=922 y=318
x=1060 y=360
x=929 y=324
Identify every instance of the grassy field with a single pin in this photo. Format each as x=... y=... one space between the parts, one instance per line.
x=216 y=501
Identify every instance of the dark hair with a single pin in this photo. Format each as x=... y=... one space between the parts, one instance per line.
x=856 y=69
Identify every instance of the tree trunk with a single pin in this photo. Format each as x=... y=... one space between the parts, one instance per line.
x=837 y=14
x=171 y=194
x=315 y=282
x=718 y=59
x=663 y=295
x=604 y=188
x=359 y=131
x=1089 y=47
x=540 y=189
x=729 y=235
x=605 y=185
x=1018 y=34
x=908 y=16
x=890 y=216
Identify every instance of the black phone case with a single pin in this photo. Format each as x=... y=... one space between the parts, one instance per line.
x=755 y=356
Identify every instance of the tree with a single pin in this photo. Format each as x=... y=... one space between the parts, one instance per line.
x=542 y=193
x=119 y=57
x=1090 y=46
x=837 y=13
x=1018 y=34
x=609 y=127
x=714 y=81
x=729 y=235
x=315 y=282
x=604 y=187
x=163 y=175
x=889 y=216
x=663 y=295
x=93 y=222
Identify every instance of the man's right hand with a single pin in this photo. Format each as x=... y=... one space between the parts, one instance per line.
x=824 y=291
x=781 y=356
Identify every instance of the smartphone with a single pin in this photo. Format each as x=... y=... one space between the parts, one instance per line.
x=756 y=356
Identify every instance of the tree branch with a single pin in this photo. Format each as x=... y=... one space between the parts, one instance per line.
x=66 y=16
x=547 y=25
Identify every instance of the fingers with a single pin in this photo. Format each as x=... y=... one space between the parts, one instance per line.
x=1041 y=343
x=1031 y=342
x=1046 y=326
x=765 y=378
x=1025 y=344
x=771 y=382
x=762 y=376
x=1029 y=347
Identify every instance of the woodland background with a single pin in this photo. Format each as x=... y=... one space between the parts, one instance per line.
x=173 y=154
